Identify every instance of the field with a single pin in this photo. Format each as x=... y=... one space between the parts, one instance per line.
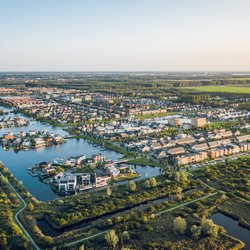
x=222 y=89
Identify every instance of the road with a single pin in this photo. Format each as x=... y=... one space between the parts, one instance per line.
x=19 y=222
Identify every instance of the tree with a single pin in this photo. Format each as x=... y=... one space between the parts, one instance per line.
x=81 y=247
x=131 y=171
x=131 y=186
x=181 y=177
x=203 y=220
x=147 y=184
x=112 y=238
x=210 y=228
x=195 y=232
x=145 y=219
x=180 y=225
x=109 y=191
x=124 y=237
x=153 y=182
x=179 y=193
x=3 y=240
x=31 y=207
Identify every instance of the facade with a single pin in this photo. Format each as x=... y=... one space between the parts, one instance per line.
x=198 y=122
x=175 y=122
x=67 y=183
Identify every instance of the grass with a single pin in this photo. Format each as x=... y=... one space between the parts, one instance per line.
x=126 y=176
x=145 y=162
x=221 y=89
x=142 y=117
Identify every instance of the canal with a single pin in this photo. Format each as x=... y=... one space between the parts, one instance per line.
x=233 y=227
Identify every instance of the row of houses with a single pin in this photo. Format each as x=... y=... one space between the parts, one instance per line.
x=8 y=122
x=31 y=139
x=227 y=114
x=214 y=153
x=80 y=182
x=209 y=139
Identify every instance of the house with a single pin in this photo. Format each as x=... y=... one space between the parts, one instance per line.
x=39 y=142
x=190 y=158
x=243 y=138
x=9 y=136
x=112 y=171
x=227 y=134
x=102 y=181
x=169 y=144
x=176 y=151
x=98 y=158
x=77 y=160
x=198 y=122
x=176 y=121
x=57 y=177
x=215 y=153
x=32 y=132
x=161 y=154
x=187 y=140
x=200 y=147
x=225 y=142
x=67 y=183
x=214 y=144
x=145 y=149
x=156 y=146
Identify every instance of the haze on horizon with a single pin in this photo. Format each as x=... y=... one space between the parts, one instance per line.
x=125 y=35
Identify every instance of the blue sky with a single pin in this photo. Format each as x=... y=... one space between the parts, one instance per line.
x=124 y=35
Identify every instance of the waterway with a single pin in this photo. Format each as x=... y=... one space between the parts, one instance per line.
x=233 y=227
x=18 y=162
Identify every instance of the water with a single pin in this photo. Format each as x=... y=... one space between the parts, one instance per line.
x=20 y=161
x=47 y=230
x=233 y=228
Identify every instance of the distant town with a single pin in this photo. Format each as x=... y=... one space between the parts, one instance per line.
x=105 y=159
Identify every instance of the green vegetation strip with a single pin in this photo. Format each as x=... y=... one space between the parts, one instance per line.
x=221 y=89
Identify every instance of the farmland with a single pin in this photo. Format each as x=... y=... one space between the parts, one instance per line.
x=222 y=89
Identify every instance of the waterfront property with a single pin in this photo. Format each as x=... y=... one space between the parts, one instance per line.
x=28 y=140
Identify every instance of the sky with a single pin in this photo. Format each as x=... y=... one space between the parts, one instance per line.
x=124 y=35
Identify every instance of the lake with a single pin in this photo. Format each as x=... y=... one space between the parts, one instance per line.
x=18 y=162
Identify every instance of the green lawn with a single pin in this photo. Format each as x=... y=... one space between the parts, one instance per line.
x=225 y=89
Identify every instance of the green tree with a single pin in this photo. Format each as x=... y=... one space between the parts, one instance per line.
x=31 y=207
x=81 y=247
x=109 y=191
x=153 y=182
x=179 y=193
x=3 y=240
x=112 y=238
x=195 y=231
x=124 y=237
x=131 y=186
x=147 y=184
x=210 y=228
x=180 y=225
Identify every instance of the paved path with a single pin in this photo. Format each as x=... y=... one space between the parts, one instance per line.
x=87 y=238
x=204 y=183
x=159 y=213
x=185 y=204
x=19 y=222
